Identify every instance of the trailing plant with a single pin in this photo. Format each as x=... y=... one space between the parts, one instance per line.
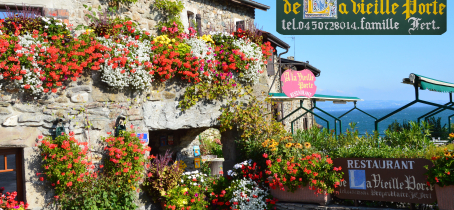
x=40 y=63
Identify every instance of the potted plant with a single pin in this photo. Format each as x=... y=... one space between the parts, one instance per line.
x=441 y=175
x=298 y=173
x=162 y=177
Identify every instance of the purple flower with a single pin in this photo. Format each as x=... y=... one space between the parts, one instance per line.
x=234 y=84
x=196 y=195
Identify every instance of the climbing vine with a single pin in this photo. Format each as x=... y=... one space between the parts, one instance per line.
x=172 y=11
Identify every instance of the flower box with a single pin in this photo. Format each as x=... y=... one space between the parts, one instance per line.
x=445 y=197
x=303 y=195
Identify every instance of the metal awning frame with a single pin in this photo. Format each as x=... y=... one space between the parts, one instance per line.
x=417 y=100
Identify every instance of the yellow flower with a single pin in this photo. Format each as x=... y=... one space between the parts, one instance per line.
x=88 y=31
x=307 y=145
x=173 y=40
x=129 y=181
x=298 y=146
x=288 y=145
x=451 y=135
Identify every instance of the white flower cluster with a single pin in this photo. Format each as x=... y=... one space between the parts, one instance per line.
x=193 y=178
x=49 y=21
x=239 y=166
x=202 y=50
x=32 y=75
x=135 y=75
x=248 y=195
x=220 y=33
x=251 y=50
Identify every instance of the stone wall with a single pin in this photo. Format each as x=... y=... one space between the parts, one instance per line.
x=215 y=15
x=90 y=109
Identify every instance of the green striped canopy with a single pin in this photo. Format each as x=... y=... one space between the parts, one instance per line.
x=427 y=83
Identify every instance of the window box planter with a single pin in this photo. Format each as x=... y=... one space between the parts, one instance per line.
x=302 y=195
x=445 y=197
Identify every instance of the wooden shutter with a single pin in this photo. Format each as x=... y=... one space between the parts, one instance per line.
x=270 y=65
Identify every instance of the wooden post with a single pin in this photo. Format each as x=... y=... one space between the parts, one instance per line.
x=356 y=203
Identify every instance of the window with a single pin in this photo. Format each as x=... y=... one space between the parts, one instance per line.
x=240 y=24
x=11 y=171
x=30 y=11
x=191 y=19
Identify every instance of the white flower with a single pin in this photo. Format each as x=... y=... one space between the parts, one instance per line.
x=127 y=73
x=251 y=50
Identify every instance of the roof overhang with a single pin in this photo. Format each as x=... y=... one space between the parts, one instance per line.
x=253 y=4
x=316 y=97
x=301 y=65
x=274 y=40
x=426 y=83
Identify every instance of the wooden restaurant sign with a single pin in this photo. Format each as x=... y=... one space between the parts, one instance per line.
x=396 y=180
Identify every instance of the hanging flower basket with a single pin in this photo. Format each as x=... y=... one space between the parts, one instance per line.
x=445 y=197
x=303 y=195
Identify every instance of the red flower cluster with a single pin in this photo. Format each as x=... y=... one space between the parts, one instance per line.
x=8 y=200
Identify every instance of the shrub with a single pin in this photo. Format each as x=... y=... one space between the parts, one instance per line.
x=162 y=177
x=79 y=184
x=442 y=172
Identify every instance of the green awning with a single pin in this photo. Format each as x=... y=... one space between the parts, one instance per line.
x=427 y=83
x=317 y=97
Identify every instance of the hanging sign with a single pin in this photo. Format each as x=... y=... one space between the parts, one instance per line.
x=196 y=151
x=197 y=162
x=361 y=17
x=377 y=179
x=143 y=137
x=298 y=83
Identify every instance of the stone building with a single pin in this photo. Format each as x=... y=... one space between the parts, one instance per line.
x=276 y=66
x=90 y=109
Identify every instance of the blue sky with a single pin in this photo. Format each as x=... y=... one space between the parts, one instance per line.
x=370 y=67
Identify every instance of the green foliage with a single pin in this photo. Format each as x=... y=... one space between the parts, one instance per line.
x=416 y=137
x=205 y=167
x=172 y=11
x=437 y=129
x=211 y=147
x=398 y=142
x=396 y=127
x=107 y=22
